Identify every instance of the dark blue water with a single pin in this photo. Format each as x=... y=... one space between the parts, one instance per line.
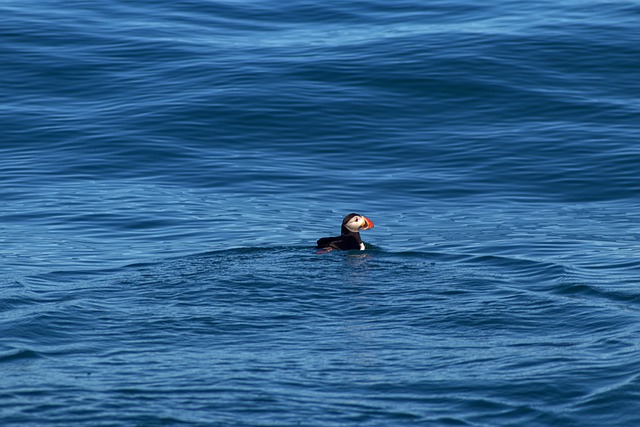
x=166 y=168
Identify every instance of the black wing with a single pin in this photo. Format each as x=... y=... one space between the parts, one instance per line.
x=326 y=242
x=344 y=243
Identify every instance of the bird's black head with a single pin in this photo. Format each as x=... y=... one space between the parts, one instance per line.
x=354 y=222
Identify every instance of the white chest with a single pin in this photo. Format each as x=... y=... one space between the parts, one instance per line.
x=361 y=246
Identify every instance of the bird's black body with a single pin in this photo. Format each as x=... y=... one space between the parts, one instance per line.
x=348 y=239
x=344 y=242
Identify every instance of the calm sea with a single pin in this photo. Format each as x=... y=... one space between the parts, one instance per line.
x=166 y=168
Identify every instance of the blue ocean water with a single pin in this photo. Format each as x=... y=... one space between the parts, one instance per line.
x=166 y=168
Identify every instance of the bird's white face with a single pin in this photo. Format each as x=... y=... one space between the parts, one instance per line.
x=358 y=223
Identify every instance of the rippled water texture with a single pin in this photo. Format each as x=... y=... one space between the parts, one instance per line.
x=166 y=168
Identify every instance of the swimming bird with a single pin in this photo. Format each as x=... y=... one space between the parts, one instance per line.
x=349 y=238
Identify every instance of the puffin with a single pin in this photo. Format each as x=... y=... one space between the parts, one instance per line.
x=349 y=238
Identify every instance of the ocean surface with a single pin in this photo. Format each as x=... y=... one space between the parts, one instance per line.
x=166 y=168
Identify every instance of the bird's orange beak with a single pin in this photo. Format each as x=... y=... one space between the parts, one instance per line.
x=367 y=223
